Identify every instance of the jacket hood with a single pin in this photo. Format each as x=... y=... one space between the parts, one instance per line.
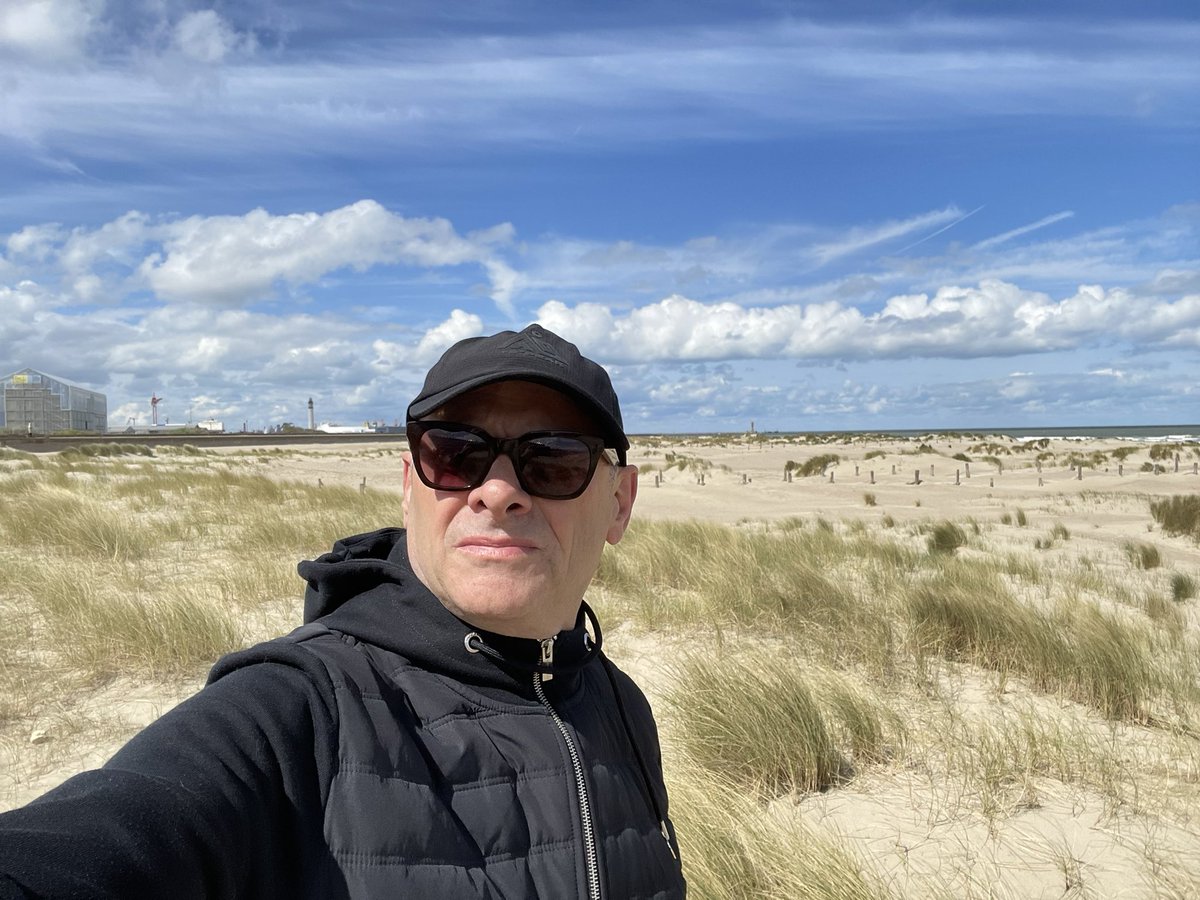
x=365 y=587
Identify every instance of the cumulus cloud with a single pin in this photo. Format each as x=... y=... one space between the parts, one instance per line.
x=458 y=327
x=34 y=241
x=149 y=303
x=994 y=318
x=235 y=260
x=418 y=355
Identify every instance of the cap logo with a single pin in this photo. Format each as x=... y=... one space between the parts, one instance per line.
x=532 y=342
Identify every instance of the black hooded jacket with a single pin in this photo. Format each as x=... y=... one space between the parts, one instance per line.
x=384 y=749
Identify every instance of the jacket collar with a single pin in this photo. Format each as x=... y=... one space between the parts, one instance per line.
x=365 y=587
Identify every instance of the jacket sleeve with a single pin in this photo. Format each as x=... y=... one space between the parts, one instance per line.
x=220 y=797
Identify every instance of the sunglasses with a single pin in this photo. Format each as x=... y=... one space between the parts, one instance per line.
x=555 y=465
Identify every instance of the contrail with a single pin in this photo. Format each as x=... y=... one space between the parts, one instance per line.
x=961 y=218
x=1024 y=229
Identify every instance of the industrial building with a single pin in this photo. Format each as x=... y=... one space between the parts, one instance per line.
x=37 y=403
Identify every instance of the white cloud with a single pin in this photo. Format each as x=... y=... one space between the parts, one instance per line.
x=417 y=356
x=758 y=80
x=1024 y=229
x=236 y=259
x=48 y=30
x=993 y=319
x=116 y=242
x=205 y=37
x=861 y=238
x=19 y=304
x=437 y=340
x=142 y=303
x=34 y=241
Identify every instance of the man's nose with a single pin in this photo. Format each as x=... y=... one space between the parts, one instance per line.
x=501 y=492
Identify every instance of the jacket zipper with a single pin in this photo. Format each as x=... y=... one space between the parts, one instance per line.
x=590 y=857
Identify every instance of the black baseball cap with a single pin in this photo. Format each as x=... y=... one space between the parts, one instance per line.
x=533 y=354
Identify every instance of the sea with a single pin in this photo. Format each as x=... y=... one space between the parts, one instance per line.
x=1160 y=433
x=1170 y=434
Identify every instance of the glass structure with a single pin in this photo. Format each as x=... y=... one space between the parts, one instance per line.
x=37 y=403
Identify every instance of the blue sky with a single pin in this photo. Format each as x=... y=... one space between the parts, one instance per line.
x=810 y=215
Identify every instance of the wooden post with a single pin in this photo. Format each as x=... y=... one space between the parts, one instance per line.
x=872 y=476
x=967 y=466
x=917 y=477
x=956 y=478
x=1176 y=462
x=856 y=467
x=1079 y=473
x=831 y=476
x=362 y=488
x=931 y=470
x=991 y=482
x=893 y=468
x=1120 y=468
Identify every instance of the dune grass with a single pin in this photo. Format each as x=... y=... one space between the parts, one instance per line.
x=149 y=568
x=733 y=851
x=775 y=727
x=946 y=537
x=1143 y=555
x=1178 y=515
x=815 y=465
x=810 y=658
x=1183 y=586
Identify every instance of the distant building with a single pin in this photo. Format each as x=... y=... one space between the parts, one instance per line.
x=38 y=403
x=330 y=428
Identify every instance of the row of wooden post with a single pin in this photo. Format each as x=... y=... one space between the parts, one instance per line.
x=787 y=475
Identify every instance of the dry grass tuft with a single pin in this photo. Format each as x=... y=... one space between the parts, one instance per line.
x=1178 y=515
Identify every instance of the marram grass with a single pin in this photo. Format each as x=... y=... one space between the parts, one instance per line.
x=762 y=721
x=150 y=567
x=733 y=849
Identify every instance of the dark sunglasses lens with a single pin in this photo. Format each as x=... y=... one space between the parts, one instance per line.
x=453 y=460
x=554 y=466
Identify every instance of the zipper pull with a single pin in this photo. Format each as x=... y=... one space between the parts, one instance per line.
x=548 y=657
x=667 y=837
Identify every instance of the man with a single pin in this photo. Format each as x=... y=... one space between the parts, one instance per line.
x=444 y=726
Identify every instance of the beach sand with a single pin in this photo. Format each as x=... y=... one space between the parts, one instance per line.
x=740 y=481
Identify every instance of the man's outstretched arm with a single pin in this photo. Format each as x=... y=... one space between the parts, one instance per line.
x=221 y=797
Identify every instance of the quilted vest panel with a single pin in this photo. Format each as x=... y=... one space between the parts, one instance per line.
x=442 y=791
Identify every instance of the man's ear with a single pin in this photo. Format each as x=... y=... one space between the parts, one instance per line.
x=408 y=476
x=624 y=492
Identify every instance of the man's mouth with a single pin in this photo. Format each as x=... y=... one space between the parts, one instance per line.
x=492 y=547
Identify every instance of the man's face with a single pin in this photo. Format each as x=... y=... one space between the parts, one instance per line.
x=497 y=557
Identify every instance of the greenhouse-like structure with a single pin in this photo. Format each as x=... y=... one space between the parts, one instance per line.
x=39 y=404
